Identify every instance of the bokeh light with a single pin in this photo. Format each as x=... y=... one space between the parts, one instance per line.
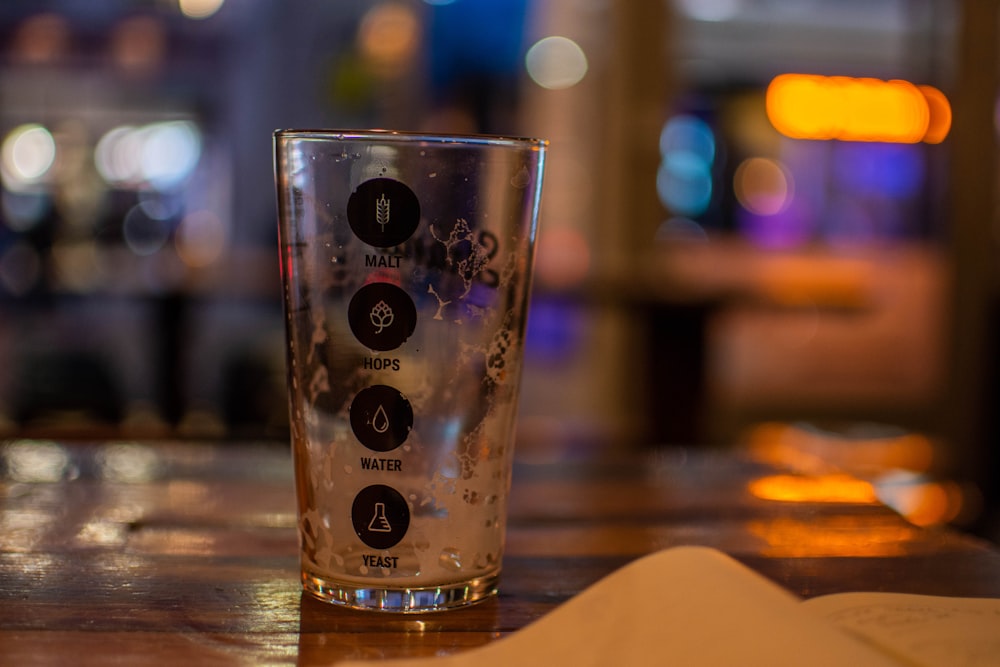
x=556 y=63
x=27 y=154
x=199 y=9
x=160 y=155
x=41 y=38
x=940 y=114
x=143 y=234
x=806 y=106
x=688 y=134
x=762 y=186
x=684 y=184
x=684 y=180
x=170 y=152
x=389 y=37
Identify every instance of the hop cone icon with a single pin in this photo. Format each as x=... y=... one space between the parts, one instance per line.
x=381 y=316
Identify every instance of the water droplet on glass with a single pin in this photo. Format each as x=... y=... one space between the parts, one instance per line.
x=521 y=179
x=450 y=559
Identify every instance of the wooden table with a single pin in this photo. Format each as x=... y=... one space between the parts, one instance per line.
x=185 y=553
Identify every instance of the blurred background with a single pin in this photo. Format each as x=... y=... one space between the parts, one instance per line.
x=767 y=224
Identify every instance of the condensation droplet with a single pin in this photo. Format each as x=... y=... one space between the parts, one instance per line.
x=521 y=179
x=348 y=469
x=450 y=559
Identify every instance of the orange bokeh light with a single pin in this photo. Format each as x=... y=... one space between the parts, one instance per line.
x=808 y=106
x=940 y=114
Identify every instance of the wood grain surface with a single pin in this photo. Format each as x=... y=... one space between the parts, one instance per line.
x=185 y=553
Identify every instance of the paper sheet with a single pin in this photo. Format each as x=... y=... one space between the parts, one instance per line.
x=686 y=606
x=922 y=629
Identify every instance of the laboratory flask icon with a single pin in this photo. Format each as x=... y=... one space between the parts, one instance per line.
x=379 y=523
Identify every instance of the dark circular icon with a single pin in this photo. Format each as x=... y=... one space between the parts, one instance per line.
x=381 y=417
x=380 y=516
x=383 y=212
x=382 y=316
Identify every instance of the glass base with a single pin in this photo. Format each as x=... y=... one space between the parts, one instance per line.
x=402 y=599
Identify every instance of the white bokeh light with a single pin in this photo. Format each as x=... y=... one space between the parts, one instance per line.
x=170 y=152
x=28 y=152
x=160 y=154
x=556 y=63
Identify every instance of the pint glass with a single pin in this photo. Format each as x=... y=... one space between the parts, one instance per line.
x=405 y=263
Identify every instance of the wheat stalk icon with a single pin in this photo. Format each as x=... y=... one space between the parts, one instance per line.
x=382 y=211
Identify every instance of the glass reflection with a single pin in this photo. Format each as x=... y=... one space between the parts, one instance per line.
x=842 y=536
x=41 y=461
x=128 y=462
x=833 y=488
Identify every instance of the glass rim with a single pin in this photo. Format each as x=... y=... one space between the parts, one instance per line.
x=405 y=137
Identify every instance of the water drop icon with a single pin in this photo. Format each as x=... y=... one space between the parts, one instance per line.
x=380 y=421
